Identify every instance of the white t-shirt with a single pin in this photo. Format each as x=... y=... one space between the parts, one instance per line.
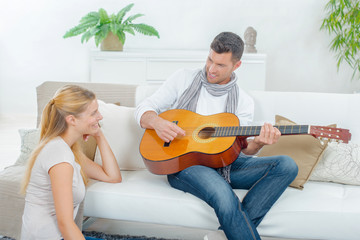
x=167 y=96
x=39 y=218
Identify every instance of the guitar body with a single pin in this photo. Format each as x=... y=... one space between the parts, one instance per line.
x=195 y=148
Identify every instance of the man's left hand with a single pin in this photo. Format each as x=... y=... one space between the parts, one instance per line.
x=268 y=135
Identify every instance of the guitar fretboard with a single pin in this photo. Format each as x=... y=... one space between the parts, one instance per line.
x=255 y=130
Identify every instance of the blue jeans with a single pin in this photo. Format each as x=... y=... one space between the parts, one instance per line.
x=266 y=178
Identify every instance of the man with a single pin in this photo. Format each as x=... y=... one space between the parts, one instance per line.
x=214 y=90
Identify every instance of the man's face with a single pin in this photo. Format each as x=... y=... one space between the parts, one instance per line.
x=219 y=67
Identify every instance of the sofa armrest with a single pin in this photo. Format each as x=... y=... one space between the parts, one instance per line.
x=12 y=202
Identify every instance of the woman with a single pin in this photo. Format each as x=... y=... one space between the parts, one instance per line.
x=57 y=172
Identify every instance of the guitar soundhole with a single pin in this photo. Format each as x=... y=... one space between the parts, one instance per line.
x=206 y=133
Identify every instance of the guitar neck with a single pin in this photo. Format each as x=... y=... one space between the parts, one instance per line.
x=248 y=131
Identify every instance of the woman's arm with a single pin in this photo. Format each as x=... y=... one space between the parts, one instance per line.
x=109 y=171
x=61 y=177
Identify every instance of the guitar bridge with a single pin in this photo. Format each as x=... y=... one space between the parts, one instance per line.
x=167 y=144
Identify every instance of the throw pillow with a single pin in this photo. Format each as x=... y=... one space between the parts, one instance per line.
x=31 y=137
x=340 y=163
x=89 y=147
x=123 y=134
x=304 y=149
x=29 y=140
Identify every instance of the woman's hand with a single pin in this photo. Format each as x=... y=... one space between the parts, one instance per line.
x=97 y=134
x=109 y=171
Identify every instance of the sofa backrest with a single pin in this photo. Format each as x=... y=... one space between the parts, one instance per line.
x=301 y=107
x=309 y=108
x=108 y=92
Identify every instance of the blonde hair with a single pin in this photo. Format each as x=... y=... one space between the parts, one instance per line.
x=68 y=100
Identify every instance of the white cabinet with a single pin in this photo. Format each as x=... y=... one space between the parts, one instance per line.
x=154 y=66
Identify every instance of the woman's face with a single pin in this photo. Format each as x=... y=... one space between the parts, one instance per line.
x=88 y=121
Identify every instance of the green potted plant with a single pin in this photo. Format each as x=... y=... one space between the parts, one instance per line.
x=343 y=22
x=109 y=31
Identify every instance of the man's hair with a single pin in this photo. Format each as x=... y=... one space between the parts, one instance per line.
x=228 y=42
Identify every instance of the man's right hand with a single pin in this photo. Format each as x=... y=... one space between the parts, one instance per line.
x=165 y=129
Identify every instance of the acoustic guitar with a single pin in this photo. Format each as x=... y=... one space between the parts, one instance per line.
x=214 y=141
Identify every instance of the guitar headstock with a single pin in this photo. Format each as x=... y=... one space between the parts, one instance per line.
x=338 y=134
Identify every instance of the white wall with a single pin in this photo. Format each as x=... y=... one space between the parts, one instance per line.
x=32 y=49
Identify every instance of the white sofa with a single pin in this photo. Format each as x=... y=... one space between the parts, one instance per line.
x=322 y=210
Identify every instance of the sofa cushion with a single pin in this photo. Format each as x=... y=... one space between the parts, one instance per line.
x=304 y=149
x=29 y=140
x=321 y=210
x=123 y=134
x=340 y=163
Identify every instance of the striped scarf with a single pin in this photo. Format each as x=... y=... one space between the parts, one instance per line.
x=189 y=99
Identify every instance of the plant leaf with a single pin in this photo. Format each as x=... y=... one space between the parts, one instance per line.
x=104 y=18
x=104 y=31
x=77 y=30
x=129 y=29
x=88 y=21
x=101 y=34
x=145 y=29
x=90 y=17
x=95 y=30
x=343 y=22
x=121 y=36
x=97 y=40
x=122 y=12
x=132 y=18
x=86 y=36
x=114 y=27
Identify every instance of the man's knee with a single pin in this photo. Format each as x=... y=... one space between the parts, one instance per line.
x=224 y=200
x=288 y=166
